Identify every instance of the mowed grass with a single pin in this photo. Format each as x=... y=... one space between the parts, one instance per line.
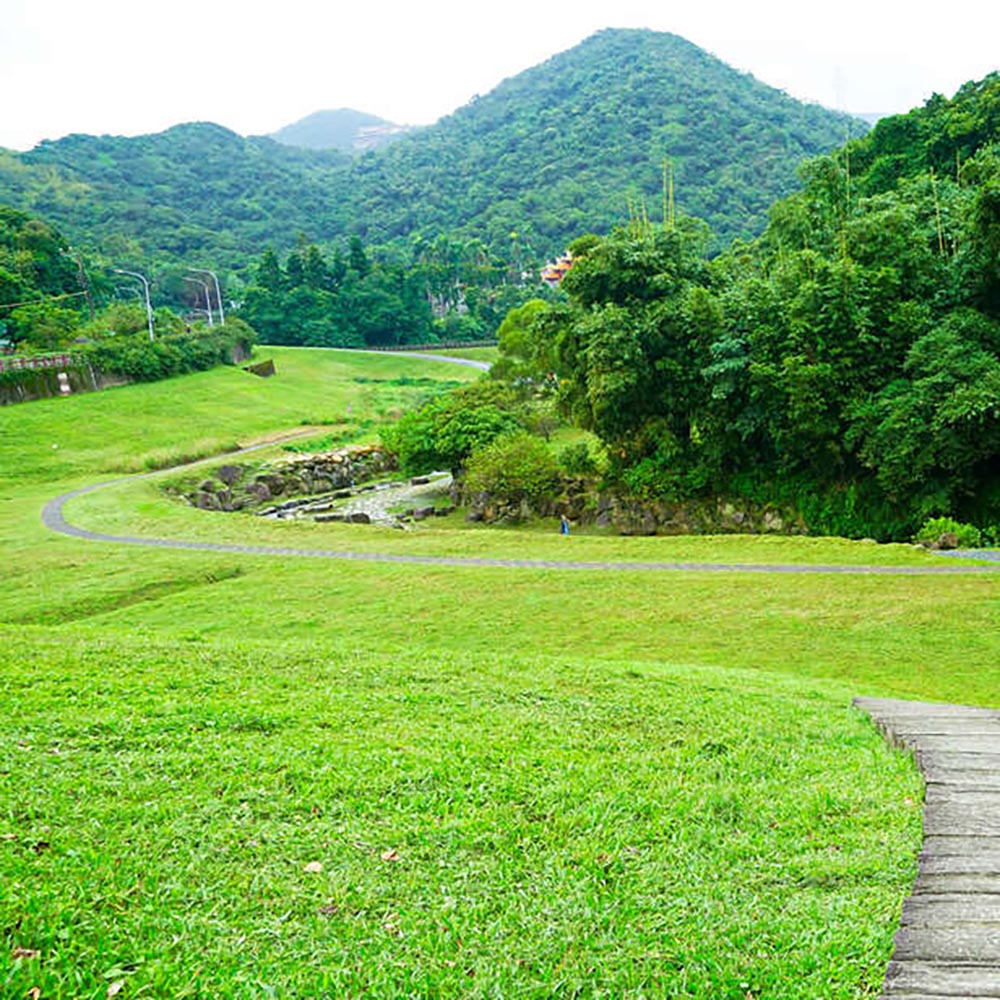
x=236 y=776
x=298 y=819
x=140 y=427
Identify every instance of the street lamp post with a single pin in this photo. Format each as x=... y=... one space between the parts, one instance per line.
x=145 y=288
x=208 y=301
x=218 y=293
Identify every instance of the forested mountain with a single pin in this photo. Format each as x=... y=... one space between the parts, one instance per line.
x=558 y=150
x=345 y=129
x=193 y=192
x=562 y=148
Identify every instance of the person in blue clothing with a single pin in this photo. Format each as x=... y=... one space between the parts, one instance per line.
x=563 y=525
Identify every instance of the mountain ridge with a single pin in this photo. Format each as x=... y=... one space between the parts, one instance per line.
x=342 y=128
x=555 y=151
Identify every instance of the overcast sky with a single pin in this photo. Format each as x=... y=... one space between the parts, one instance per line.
x=110 y=66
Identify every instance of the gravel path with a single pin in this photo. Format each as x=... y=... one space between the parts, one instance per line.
x=483 y=366
x=948 y=943
x=991 y=554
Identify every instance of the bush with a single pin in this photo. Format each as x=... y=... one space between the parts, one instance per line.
x=141 y=360
x=514 y=467
x=967 y=536
x=444 y=432
x=577 y=460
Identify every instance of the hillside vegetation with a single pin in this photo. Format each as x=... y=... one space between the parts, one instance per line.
x=553 y=152
x=35 y=267
x=193 y=192
x=847 y=362
x=559 y=149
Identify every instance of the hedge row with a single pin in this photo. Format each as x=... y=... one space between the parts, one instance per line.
x=132 y=358
x=140 y=360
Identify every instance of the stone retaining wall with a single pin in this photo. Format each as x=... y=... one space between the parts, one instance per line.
x=239 y=487
x=278 y=489
x=582 y=503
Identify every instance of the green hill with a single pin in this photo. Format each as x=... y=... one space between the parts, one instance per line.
x=191 y=192
x=558 y=150
x=345 y=129
x=562 y=147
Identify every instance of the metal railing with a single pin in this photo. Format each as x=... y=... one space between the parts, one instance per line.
x=27 y=362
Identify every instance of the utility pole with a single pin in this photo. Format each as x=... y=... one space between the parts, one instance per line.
x=208 y=301
x=218 y=293
x=145 y=288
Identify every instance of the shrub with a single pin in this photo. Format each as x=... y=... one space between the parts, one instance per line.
x=514 y=467
x=967 y=536
x=577 y=460
x=141 y=360
x=442 y=433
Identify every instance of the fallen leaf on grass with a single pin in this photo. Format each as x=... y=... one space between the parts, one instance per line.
x=329 y=910
x=115 y=988
x=391 y=855
x=314 y=867
x=25 y=953
x=35 y=993
x=8 y=836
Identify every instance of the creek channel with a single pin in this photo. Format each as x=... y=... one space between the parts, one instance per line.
x=393 y=503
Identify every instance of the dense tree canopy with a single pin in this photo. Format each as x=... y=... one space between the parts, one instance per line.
x=848 y=361
x=354 y=298
x=39 y=279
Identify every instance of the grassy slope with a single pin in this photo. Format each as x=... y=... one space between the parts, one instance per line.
x=489 y=354
x=596 y=785
x=140 y=427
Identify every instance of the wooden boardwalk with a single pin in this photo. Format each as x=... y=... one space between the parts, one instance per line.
x=948 y=944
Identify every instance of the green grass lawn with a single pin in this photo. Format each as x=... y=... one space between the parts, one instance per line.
x=236 y=776
x=292 y=818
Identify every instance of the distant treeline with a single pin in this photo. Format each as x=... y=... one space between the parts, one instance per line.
x=446 y=290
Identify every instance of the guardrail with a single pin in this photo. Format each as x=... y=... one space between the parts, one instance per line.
x=448 y=345
x=28 y=362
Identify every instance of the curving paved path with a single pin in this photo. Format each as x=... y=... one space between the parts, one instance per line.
x=948 y=943
x=483 y=366
x=54 y=518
